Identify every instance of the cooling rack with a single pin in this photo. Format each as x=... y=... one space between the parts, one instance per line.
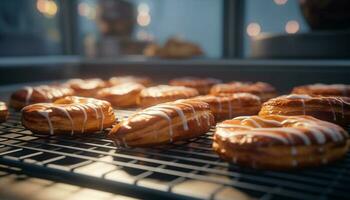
x=183 y=170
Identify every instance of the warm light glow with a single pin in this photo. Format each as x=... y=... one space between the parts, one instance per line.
x=292 y=26
x=47 y=7
x=87 y=11
x=253 y=29
x=143 y=7
x=280 y=2
x=143 y=19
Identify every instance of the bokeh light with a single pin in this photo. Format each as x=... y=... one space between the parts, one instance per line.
x=48 y=8
x=280 y=2
x=253 y=29
x=292 y=26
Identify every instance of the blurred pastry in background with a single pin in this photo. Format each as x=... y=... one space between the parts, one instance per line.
x=3 y=112
x=203 y=85
x=174 y=48
x=123 y=95
x=117 y=80
x=164 y=93
x=323 y=89
x=86 y=87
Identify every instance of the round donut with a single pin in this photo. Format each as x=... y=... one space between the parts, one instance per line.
x=39 y=94
x=228 y=106
x=122 y=95
x=74 y=115
x=323 y=89
x=117 y=80
x=86 y=87
x=280 y=142
x=264 y=90
x=202 y=85
x=332 y=109
x=3 y=112
x=164 y=93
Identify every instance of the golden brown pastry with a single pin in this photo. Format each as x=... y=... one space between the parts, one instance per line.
x=228 y=106
x=323 y=90
x=164 y=93
x=202 y=85
x=117 y=80
x=3 y=112
x=174 y=48
x=122 y=95
x=86 y=87
x=332 y=109
x=164 y=123
x=39 y=94
x=280 y=142
x=74 y=115
x=264 y=90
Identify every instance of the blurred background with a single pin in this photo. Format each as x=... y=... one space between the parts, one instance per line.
x=109 y=28
x=57 y=39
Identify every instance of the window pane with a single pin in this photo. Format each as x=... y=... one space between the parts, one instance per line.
x=29 y=27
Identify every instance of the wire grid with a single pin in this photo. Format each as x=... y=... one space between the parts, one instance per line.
x=186 y=169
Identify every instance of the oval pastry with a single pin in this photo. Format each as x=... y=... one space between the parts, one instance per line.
x=323 y=90
x=39 y=94
x=117 y=80
x=264 y=90
x=279 y=142
x=202 y=85
x=3 y=112
x=122 y=95
x=68 y=115
x=164 y=123
x=332 y=109
x=164 y=93
x=85 y=87
x=228 y=106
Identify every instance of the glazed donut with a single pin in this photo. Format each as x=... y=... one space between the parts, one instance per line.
x=202 y=85
x=74 y=115
x=122 y=95
x=39 y=94
x=323 y=90
x=228 y=106
x=279 y=142
x=332 y=109
x=164 y=123
x=164 y=93
x=85 y=87
x=145 y=81
x=264 y=90
x=3 y=112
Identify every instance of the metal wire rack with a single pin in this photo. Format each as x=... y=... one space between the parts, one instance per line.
x=183 y=170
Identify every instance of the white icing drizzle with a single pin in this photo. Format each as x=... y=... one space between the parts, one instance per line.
x=304 y=106
x=332 y=109
x=179 y=112
x=163 y=114
x=82 y=108
x=47 y=117
x=219 y=103
x=68 y=116
x=29 y=94
x=193 y=110
x=229 y=108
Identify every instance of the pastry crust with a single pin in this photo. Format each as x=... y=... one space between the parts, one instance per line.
x=280 y=142
x=264 y=90
x=164 y=123
x=86 y=87
x=332 y=109
x=122 y=95
x=233 y=105
x=323 y=89
x=39 y=94
x=164 y=93
x=202 y=85
x=74 y=115
x=117 y=80
x=3 y=112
